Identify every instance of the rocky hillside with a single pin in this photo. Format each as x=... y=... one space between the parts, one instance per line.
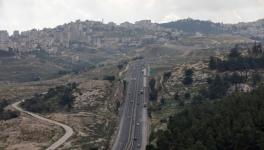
x=196 y=88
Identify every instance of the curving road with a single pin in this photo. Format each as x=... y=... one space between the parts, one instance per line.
x=68 y=130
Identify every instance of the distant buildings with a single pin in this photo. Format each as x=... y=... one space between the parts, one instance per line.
x=4 y=40
x=87 y=34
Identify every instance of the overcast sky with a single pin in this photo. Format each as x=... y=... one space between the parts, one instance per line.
x=28 y=14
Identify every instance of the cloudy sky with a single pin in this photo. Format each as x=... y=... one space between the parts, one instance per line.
x=28 y=14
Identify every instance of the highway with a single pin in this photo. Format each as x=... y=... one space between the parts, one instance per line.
x=68 y=130
x=133 y=127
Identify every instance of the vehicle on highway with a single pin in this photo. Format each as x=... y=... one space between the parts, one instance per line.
x=138 y=124
x=141 y=91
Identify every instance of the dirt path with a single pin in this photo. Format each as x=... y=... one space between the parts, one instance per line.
x=68 y=130
x=122 y=72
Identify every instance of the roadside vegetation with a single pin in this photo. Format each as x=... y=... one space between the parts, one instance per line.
x=188 y=77
x=60 y=98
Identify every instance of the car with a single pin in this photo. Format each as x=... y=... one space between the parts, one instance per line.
x=141 y=91
x=135 y=138
x=137 y=123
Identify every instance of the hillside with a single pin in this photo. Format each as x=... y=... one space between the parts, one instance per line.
x=234 y=123
x=193 y=26
x=37 y=66
x=89 y=107
x=82 y=45
x=185 y=101
x=253 y=30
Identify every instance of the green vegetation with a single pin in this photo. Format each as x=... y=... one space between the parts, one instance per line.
x=57 y=99
x=256 y=78
x=235 y=69
x=193 y=26
x=153 y=92
x=234 y=123
x=122 y=64
x=188 y=77
x=109 y=78
x=6 y=114
x=206 y=115
x=219 y=85
x=238 y=62
x=166 y=75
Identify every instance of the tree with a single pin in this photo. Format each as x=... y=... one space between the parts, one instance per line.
x=234 y=53
x=188 y=72
x=153 y=92
x=187 y=80
x=120 y=66
x=235 y=78
x=256 y=78
x=3 y=104
x=232 y=123
x=188 y=77
x=218 y=87
x=162 y=101
x=187 y=95
x=176 y=96
x=150 y=147
x=197 y=99
x=212 y=63
x=166 y=75
x=6 y=114
x=199 y=146
x=109 y=78
x=67 y=99
x=257 y=48
x=60 y=98
x=152 y=83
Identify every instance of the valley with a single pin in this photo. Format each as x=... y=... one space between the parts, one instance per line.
x=80 y=74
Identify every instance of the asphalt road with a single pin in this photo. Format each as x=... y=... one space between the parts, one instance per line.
x=68 y=130
x=132 y=134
